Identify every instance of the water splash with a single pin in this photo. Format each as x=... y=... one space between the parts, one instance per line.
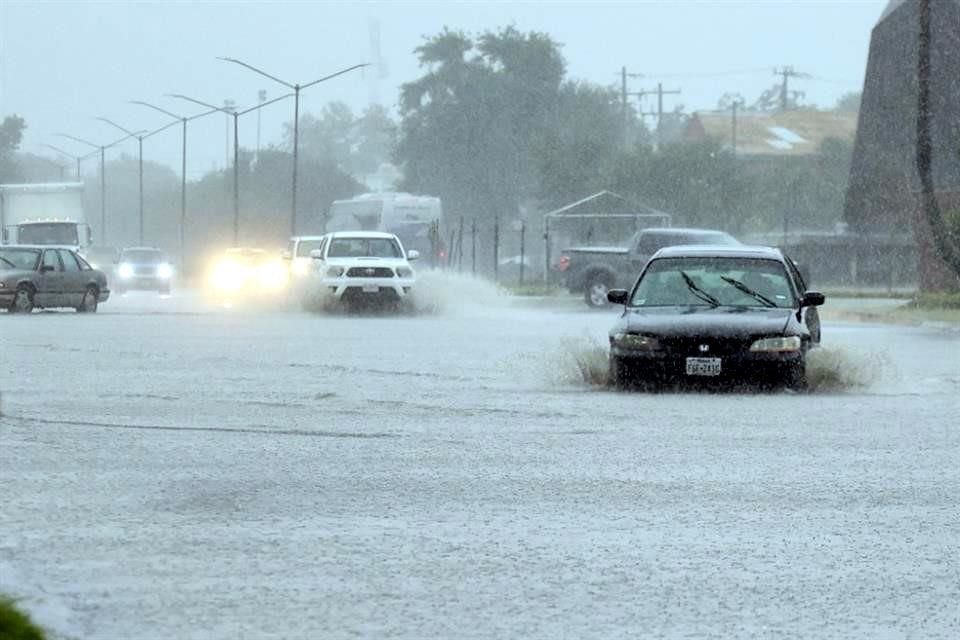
x=443 y=292
x=833 y=369
x=581 y=361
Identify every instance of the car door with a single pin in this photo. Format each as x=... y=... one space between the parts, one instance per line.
x=73 y=284
x=809 y=315
x=50 y=286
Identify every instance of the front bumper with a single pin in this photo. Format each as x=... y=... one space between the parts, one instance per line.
x=747 y=367
x=366 y=288
x=137 y=283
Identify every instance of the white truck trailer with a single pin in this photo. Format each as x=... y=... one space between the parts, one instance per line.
x=48 y=213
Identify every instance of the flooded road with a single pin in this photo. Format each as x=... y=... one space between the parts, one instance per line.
x=176 y=470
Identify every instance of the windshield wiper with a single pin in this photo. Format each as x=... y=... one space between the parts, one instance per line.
x=697 y=291
x=759 y=297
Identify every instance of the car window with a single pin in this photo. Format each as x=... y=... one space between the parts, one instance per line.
x=84 y=265
x=306 y=246
x=364 y=248
x=21 y=259
x=70 y=264
x=50 y=259
x=737 y=282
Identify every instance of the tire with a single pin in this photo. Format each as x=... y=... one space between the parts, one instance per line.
x=90 y=301
x=796 y=379
x=595 y=293
x=619 y=374
x=22 y=300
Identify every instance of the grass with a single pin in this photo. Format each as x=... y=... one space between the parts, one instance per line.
x=15 y=624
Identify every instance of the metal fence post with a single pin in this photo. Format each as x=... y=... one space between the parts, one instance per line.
x=523 y=247
x=473 y=253
x=496 y=249
x=546 y=250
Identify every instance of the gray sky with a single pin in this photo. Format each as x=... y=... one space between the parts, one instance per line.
x=63 y=63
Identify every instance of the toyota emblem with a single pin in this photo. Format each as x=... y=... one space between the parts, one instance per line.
x=370 y=272
x=704 y=348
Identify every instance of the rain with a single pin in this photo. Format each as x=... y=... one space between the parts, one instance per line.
x=479 y=320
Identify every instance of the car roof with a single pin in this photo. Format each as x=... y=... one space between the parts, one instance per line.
x=361 y=234
x=37 y=247
x=719 y=251
x=298 y=238
x=142 y=249
x=680 y=230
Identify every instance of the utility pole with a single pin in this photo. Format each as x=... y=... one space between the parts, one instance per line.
x=733 y=127
x=786 y=73
x=625 y=112
x=660 y=92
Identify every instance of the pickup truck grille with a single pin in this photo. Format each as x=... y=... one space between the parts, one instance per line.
x=370 y=272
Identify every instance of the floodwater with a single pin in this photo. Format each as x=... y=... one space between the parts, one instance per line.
x=175 y=469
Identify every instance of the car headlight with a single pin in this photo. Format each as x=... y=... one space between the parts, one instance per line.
x=404 y=272
x=777 y=345
x=125 y=270
x=300 y=267
x=335 y=272
x=164 y=271
x=636 y=341
x=227 y=275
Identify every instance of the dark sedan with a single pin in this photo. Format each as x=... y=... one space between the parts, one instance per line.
x=45 y=277
x=715 y=315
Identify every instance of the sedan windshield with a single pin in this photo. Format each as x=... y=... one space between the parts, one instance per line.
x=19 y=259
x=714 y=281
x=364 y=248
x=142 y=256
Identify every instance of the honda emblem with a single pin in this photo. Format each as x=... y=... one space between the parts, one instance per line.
x=704 y=348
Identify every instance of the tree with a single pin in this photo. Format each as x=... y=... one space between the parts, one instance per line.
x=471 y=123
x=11 y=135
x=849 y=102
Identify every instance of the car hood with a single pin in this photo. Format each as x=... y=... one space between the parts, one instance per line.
x=367 y=262
x=15 y=274
x=708 y=322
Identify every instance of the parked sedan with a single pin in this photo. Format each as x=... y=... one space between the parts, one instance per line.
x=44 y=277
x=717 y=315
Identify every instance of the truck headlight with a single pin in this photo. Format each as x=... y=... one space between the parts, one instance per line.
x=635 y=341
x=776 y=345
x=125 y=270
x=404 y=272
x=165 y=271
x=334 y=272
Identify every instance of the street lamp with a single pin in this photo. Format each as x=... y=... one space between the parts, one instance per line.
x=103 y=180
x=297 y=88
x=139 y=136
x=232 y=111
x=75 y=158
x=183 y=162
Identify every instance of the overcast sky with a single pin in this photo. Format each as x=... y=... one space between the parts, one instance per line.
x=63 y=63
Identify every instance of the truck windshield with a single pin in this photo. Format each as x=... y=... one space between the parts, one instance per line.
x=64 y=233
x=364 y=248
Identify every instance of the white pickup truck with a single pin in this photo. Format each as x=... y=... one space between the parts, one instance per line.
x=359 y=269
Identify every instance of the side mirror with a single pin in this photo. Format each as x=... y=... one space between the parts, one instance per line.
x=413 y=254
x=286 y=254
x=316 y=254
x=812 y=299
x=46 y=268
x=617 y=296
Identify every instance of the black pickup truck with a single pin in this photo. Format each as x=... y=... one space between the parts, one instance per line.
x=595 y=270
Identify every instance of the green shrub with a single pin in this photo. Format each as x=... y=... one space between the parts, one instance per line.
x=16 y=625
x=940 y=300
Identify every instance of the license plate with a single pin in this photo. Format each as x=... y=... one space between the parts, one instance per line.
x=703 y=366
x=371 y=288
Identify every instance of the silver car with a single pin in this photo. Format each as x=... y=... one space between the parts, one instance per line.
x=49 y=277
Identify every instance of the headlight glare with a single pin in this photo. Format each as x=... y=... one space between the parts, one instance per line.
x=776 y=345
x=636 y=341
x=125 y=270
x=165 y=271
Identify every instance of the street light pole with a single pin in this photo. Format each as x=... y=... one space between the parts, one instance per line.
x=103 y=180
x=77 y=159
x=297 y=88
x=139 y=136
x=236 y=148
x=183 y=165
